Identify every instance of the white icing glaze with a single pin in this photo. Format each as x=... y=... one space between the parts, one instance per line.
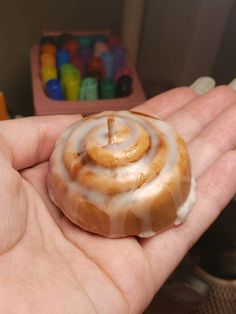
x=147 y=234
x=73 y=140
x=183 y=211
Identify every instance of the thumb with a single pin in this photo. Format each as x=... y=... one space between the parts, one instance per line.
x=13 y=206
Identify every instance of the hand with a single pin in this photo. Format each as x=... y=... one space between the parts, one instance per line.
x=48 y=265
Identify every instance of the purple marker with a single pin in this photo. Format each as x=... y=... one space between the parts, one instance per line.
x=119 y=58
x=85 y=54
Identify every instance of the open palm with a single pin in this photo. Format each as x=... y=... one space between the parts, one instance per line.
x=48 y=265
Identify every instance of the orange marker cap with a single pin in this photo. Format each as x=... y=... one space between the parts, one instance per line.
x=47 y=59
x=3 y=108
x=48 y=48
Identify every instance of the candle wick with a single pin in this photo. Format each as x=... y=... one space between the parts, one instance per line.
x=110 y=125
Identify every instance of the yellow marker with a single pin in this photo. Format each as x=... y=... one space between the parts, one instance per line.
x=72 y=86
x=48 y=73
x=3 y=108
x=47 y=59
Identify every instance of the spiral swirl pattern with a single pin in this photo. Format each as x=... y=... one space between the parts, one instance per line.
x=121 y=173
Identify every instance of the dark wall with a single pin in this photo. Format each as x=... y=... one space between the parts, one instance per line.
x=225 y=66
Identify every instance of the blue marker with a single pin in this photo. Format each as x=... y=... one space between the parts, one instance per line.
x=62 y=57
x=54 y=89
x=108 y=63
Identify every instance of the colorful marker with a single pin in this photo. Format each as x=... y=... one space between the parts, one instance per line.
x=107 y=90
x=108 y=63
x=62 y=39
x=68 y=69
x=85 y=54
x=71 y=46
x=99 y=48
x=54 y=89
x=62 y=57
x=95 y=68
x=89 y=89
x=78 y=63
x=47 y=59
x=48 y=48
x=124 y=86
x=48 y=73
x=119 y=58
x=72 y=87
x=125 y=70
x=85 y=41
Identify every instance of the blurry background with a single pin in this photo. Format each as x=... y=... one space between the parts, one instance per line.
x=179 y=40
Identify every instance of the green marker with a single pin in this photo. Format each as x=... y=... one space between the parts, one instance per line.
x=85 y=41
x=68 y=70
x=107 y=89
x=89 y=89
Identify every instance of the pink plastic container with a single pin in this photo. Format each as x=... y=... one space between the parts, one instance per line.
x=43 y=105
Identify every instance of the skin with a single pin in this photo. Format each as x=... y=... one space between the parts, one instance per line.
x=48 y=265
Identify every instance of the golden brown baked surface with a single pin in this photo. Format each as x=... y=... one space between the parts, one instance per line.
x=121 y=173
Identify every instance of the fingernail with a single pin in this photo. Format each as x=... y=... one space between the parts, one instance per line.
x=232 y=84
x=203 y=84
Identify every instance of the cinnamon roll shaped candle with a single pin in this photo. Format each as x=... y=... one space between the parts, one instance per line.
x=121 y=173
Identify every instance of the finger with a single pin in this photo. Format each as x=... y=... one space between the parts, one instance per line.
x=193 y=117
x=167 y=103
x=30 y=140
x=216 y=139
x=214 y=190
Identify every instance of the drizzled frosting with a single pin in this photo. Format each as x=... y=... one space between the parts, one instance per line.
x=78 y=159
